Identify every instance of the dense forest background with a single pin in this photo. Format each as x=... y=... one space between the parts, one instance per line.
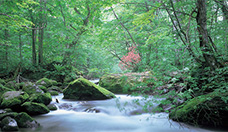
x=66 y=38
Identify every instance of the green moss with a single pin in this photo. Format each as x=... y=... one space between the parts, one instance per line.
x=83 y=89
x=33 y=108
x=9 y=124
x=10 y=84
x=46 y=82
x=54 y=83
x=55 y=88
x=4 y=89
x=116 y=84
x=42 y=88
x=53 y=93
x=31 y=88
x=19 y=86
x=2 y=81
x=44 y=98
x=11 y=114
x=13 y=98
x=52 y=107
x=195 y=110
x=25 y=121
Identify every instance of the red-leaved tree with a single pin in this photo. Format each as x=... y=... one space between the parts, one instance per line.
x=130 y=60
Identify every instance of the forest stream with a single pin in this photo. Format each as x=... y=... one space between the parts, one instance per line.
x=113 y=115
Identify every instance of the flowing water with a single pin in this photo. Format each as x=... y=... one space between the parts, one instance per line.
x=113 y=115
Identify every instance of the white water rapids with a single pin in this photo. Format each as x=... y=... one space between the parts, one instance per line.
x=113 y=115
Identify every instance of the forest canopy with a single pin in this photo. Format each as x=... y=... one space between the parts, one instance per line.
x=47 y=37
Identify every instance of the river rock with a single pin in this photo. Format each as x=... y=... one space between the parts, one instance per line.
x=9 y=124
x=26 y=121
x=46 y=82
x=205 y=110
x=83 y=89
x=52 y=107
x=31 y=88
x=124 y=83
x=44 y=98
x=10 y=114
x=13 y=99
x=55 y=88
x=33 y=108
x=42 y=88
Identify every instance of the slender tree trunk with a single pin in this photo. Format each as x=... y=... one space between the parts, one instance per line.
x=33 y=46
x=40 y=50
x=41 y=35
x=206 y=49
x=6 y=53
x=20 y=47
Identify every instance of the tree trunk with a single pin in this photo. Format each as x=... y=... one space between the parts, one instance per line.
x=33 y=46
x=41 y=35
x=206 y=49
x=20 y=47
x=6 y=57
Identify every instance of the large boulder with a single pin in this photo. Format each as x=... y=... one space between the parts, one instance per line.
x=26 y=121
x=46 y=82
x=83 y=89
x=9 y=124
x=13 y=99
x=10 y=114
x=52 y=107
x=124 y=83
x=33 y=108
x=205 y=110
x=31 y=88
x=44 y=98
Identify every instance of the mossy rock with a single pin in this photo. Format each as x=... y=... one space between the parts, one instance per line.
x=83 y=89
x=11 y=84
x=116 y=84
x=9 y=124
x=26 y=121
x=11 y=114
x=53 y=93
x=55 y=88
x=3 y=82
x=52 y=107
x=4 y=89
x=13 y=99
x=43 y=88
x=44 y=98
x=46 y=82
x=19 y=86
x=31 y=88
x=205 y=110
x=33 y=108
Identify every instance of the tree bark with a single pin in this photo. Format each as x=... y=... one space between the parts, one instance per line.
x=33 y=46
x=41 y=34
x=20 y=47
x=6 y=57
x=206 y=49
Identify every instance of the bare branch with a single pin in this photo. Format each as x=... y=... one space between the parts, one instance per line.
x=77 y=11
x=159 y=7
x=123 y=26
x=35 y=28
x=5 y=15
